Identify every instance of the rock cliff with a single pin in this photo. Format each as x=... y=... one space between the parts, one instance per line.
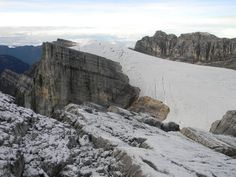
x=201 y=48
x=64 y=76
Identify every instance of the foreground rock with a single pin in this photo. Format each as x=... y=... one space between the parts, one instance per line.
x=149 y=105
x=226 y=126
x=219 y=143
x=88 y=141
x=196 y=47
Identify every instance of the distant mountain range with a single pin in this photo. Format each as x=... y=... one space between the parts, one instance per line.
x=12 y=63
x=27 y=54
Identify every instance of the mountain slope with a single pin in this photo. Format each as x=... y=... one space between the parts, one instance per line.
x=197 y=95
x=12 y=63
x=84 y=141
x=27 y=54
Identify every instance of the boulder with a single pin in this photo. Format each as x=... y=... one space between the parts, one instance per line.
x=219 y=143
x=226 y=126
x=151 y=106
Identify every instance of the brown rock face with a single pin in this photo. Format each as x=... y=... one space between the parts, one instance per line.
x=67 y=76
x=226 y=126
x=151 y=106
x=196 y=47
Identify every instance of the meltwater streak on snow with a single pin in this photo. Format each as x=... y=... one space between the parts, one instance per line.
x=197 y=95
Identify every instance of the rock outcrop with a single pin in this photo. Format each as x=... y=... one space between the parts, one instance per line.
x=201 y=48
x=83 y=141
x=225 y=126
x=67 y=76
x=8 y=82
x=219 y=143
x=17 y=85
x=151 y=106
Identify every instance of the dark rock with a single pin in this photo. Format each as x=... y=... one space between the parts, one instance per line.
x=200 y=48
x=170 y=126
x=226 y=126
x=18 y=86
x=8 y=82
x=67 y=76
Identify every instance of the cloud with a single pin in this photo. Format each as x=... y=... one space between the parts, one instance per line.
x=127 y=20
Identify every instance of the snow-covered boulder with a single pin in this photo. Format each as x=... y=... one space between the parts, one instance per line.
x=219 y=143
x=226 y=126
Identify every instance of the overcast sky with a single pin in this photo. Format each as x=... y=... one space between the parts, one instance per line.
x=123 y=22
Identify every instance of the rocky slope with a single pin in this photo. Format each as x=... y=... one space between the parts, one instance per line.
x=12 y=63
x=86 y=140
x=201 y=48
x=65 y=76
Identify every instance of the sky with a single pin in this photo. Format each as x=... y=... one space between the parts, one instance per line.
x=117 y=21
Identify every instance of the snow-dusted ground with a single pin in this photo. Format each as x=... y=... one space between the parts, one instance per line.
x=197 y=95
x=86 y=141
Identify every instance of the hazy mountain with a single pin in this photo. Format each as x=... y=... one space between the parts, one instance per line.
x=12 y=63
x=27 y=54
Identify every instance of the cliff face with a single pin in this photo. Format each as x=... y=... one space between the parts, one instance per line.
x=191 y=47
x=18 y=86
x=67 y=76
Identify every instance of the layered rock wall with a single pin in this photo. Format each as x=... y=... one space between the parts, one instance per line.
x=192 y=47
x=67 y=76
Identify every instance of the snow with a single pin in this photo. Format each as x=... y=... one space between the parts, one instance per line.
x=88 y=142
x=165 y=154
x=197 y=95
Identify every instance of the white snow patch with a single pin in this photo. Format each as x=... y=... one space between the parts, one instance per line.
x=197 y=95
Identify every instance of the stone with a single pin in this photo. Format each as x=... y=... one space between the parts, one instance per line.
x=170 y=126
x=225 y=126
x=67 y=76
x=151 y=106
x=198 y=47
x=223 y=144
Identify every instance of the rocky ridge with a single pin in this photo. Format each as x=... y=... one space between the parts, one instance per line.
x=85 y=140
x=198 y=47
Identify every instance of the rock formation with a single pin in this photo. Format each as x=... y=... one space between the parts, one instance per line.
x=67 y=76
x=17 y=85
x=226 y=126
x=149 y=105
x=8 y=82
x=219 y=143
x=82 y=141
x=201 y=48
